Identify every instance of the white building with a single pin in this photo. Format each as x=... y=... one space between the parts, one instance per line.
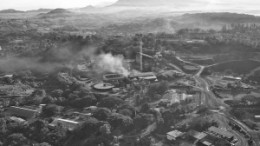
x=173 y=135
x=69 y=124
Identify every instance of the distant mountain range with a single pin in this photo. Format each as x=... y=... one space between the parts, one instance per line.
x=124 y=17
x=170 y=23
x=153 y=3
x=56 y=13
x=11 y=11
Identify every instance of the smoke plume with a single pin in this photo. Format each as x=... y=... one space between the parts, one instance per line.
x=110 y=63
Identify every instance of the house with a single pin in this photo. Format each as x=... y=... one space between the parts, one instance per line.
x=68 y=124
x=173 y=135
x=23 y=112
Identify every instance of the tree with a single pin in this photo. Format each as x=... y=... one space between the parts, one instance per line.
x=86 y=129
x=158 y=88
x=3 y=128
x=120 y=122
x=145 y=108
x=111 y=102
x=146 y=141
x=141 y=121
x=57 y=135
x=105 y=129
x=17 y=139
x=57 y=93
x=38 y=130
x=101 y=114
x=126 y=112
x=48 y=100
x=50 y=110
x=36 y=97
x=85 y=102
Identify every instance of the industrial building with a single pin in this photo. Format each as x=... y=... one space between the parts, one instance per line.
x=221 y=133
x=148 y=76
x=68 y=124
x=117 y=80
x=103 y=87
x=23 y=112
x=173 y=135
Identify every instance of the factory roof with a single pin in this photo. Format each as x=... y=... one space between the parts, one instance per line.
x=113 y=77
x=69 y=124
x=22 y=112
x=144 y=74
x=221 y=132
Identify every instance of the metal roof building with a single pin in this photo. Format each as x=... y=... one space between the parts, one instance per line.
x=23 y=112
x=69 y=124
x=221 y=133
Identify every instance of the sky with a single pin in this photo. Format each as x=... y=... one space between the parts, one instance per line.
x=205 y=4
x=36 y=4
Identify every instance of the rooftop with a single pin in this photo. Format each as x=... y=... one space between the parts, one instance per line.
x=220 y=132
x=70 y=124
x=257 y=116
x=22 y=112
x=175 y=133
x=197 y=135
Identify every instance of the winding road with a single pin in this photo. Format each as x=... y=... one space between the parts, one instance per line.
x=211 y=101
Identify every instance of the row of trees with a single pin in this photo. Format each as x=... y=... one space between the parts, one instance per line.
x=35 y=132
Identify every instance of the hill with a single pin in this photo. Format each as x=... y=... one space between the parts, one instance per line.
x=59 y=11
x=56 y=13
x=11 y=11
x=224 y=17
x=40 y=10
x=170 y=22
x=154 y=3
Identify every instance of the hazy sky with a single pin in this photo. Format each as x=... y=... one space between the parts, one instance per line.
x=196 y=4
x=35 y=4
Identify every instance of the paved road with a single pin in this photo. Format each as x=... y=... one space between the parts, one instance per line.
x=211 y=101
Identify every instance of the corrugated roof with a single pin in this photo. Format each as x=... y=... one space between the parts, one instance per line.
x=220 y=132
x=70 y=124
x=21 y=112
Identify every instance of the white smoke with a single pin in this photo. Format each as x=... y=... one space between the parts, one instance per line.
x=110 y=63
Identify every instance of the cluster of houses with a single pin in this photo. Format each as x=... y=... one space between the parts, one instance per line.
x=212 y=137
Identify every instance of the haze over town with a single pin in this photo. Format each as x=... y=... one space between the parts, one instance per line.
x=129 y=73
